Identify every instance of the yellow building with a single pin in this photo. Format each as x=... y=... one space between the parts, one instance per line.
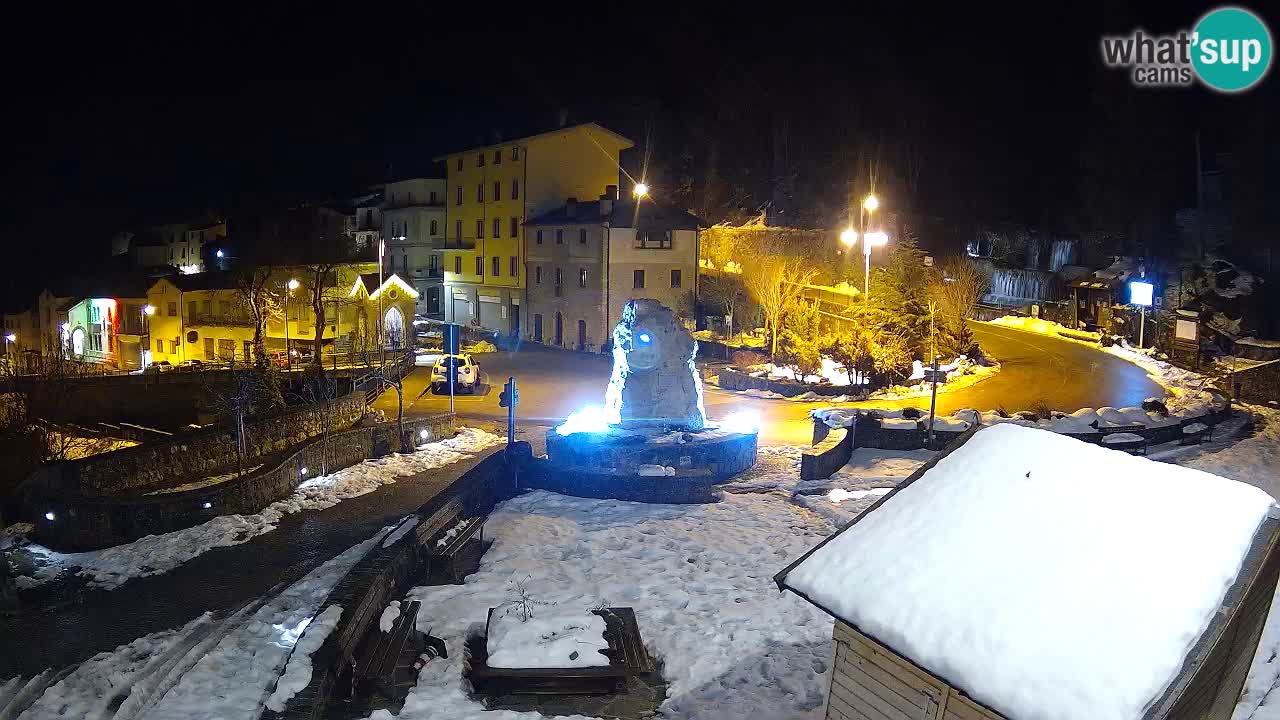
x=205 y=317
x=492 y=190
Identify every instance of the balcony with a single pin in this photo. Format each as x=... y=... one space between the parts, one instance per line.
x=219 y=320
x=429 y=274
x=452 y=244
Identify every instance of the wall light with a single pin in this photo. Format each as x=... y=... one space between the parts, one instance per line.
x=49 y=516
x=424 y=434
x=206 y=505
x=304 y=471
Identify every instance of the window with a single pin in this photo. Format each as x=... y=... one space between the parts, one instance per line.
x=559 y=277
x=582 y=236
x=497 y=266
x=433 y=200
x=538 y=235
x=515 y=153
x=224 y=308
x=457 y=265
x=497 y=227
x=248 y=350
x=515 y=266
x=206 y=307
x=515 y=227
x=582 y=277
x=675 y=278
x=435 y=227
x=191 y=309
x=160 y=346
x=457 y=226
x=653 y=240
x=480 y=266
x=497 y=157
x=537 y=274
x=637 y=279
x=515 y=189
x=480 y=192
x=459 y=162
x=479 y=229
x=171 y=309
x=479 y=159
x=497 y=189
x=559 y=236
x=458 y=196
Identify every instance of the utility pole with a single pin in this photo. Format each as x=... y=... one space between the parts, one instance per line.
x=1200 y=219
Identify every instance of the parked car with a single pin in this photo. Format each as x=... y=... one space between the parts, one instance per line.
x=191 y=366
x=467 y=373
x=160 y=366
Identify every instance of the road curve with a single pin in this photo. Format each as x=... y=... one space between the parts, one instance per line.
x=1063 y=374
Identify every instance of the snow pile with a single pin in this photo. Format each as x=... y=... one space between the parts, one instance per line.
x=401 y=530
x=1036 y=325
x=830 y=373
x=297 y=673
x=1120 y=438
x=892 y=423
x=839 y=495
x=655 y=471
x=207 y=670
x=390 y=614
x=1089 y=567
x=698 y=577
x=157 y=554
x=552 y=640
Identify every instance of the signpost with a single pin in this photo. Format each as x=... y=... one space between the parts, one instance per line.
x=452 y=339
x=509 y=398
x=1140 y=293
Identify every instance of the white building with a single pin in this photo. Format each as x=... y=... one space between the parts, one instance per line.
x=413 y=226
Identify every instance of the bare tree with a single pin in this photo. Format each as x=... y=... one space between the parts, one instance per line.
x=774 y=282
x=237 y=399
x=264 y=303
x=956 y=289
x=321 y=391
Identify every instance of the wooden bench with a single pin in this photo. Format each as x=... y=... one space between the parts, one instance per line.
x=448 y=548
x=1202 y=434
x=378 y=658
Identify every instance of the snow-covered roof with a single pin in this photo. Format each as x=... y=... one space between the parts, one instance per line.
x=998 y=570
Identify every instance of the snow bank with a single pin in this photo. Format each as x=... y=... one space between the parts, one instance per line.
x=297 y=673
x=1057 y=624
x=552 y=640
x=387 y=620
x=401 y=530
x=157 y=554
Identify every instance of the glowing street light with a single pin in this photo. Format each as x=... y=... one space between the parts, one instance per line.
x=849 y=237
x=220 y=254
x=288 y=357
x=870 y=240
x=148 y=309
x=871 y=203
x=641 y=190
x=293 y=284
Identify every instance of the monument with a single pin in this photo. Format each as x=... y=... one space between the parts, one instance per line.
x=652 y=440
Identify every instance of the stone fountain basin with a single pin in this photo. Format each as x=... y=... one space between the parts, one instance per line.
x=712 y=454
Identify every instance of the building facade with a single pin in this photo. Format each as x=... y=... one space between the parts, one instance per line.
x=491 y=191
x=414 y=229
x=587 y=259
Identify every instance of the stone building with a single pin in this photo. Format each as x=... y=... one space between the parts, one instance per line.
x=413 y=225
x=587 y=259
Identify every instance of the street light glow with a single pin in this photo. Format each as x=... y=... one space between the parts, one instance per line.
x=876 y=238
x=220 y=254
x=148 y=309
x=871 y=203
x=641 y=190
x=848 y=237
x=293 y=284
x=11 y=337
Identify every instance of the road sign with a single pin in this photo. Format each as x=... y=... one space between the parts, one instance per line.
x=452 y=338
x=509 y=398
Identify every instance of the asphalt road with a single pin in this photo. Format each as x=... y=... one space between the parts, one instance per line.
x=1034 y=368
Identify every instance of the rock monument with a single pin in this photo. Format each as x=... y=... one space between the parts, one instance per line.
x=654 y=381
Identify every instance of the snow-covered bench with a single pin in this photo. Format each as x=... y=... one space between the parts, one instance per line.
x=1127 y=441
x=379 y=657
x=448 y=548
x=1196 y=433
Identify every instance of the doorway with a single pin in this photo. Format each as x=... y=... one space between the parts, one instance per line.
x=582 y=334
x=559 y=329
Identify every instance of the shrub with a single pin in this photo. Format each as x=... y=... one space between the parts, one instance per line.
x=743 y=359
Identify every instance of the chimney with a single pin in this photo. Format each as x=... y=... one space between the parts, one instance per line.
x=606 y=204
x=571 y=207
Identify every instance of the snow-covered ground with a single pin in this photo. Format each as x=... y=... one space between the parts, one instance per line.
x=212 y=668
x=156 y=554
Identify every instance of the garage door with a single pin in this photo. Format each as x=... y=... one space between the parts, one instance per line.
x=489 y=315
x=461 y=311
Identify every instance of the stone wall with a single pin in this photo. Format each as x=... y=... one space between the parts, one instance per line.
x=736 y=380
x=193 y=455
x=83 y=522
x=386 y=573
x=828 y=455
x=1260 y=383
x=691 y=486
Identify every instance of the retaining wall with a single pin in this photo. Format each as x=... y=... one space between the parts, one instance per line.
x=1260 y=383
x=828 y=455
x=387 y=573
x=84 y=521
x=735 y=380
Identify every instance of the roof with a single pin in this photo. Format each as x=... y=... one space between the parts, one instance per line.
x=624 y=214
x=623 y=141
x=202 y=281
x=1112 y=276
x=992 y=567
x=100 y=286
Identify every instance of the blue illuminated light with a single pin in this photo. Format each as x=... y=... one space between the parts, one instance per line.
x=1140 y=293
x=645 y=339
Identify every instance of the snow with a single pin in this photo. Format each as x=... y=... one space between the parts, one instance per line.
x=898 y=424
x=297 y=673
x=560 y=639
x=207 y=670
x=1258 y=342
x=839 y=495
x=156 y=554
x=401 y=530
x=655 y=471
x=390 y=614
x=1118 y=438
x=452 y=533
x=1194 y=428
x=1055 y=625
x=698 y=577
x=1036 y=325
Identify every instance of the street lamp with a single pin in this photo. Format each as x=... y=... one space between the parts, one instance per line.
x=871 y=203
x=148 y=309
x=849 y=237
x=288 y=351
x=641 y=190
x=870 y=240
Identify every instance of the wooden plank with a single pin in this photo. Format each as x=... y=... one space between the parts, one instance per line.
x=863 y=695
x=908 y=707
x=914 y=694
x=837 y=707
x=861 y=706
x=896 y=665
x=961 y=707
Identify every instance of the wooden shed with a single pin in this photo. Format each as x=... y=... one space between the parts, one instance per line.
x=870 y=680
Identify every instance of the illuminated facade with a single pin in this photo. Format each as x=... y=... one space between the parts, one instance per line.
x=414 y=226
x=491 y=191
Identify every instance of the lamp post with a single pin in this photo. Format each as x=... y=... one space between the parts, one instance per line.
x=869 y=205
x=9 y=339
x=288 y=351
x=640 y=190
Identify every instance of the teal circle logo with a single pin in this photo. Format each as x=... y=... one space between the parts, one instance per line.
x=1231 y=49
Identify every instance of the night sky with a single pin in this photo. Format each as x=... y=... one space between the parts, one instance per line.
x=118 y=119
